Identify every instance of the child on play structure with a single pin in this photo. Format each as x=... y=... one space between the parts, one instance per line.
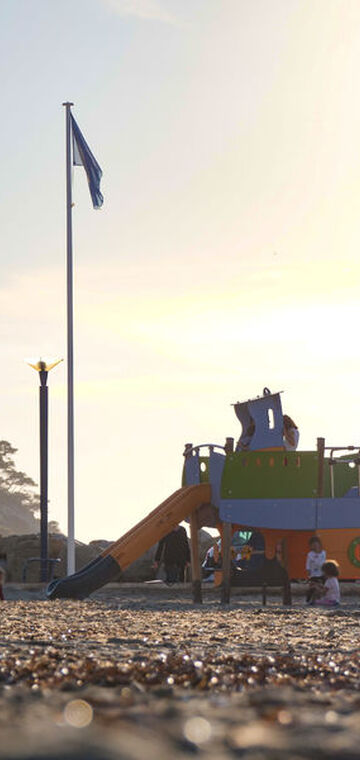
x=291 y=433
x=314 y=562
x=246 y=436
x=329 y=593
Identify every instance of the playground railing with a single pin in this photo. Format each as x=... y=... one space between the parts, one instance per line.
x=349 y=461
x=190 y=449
x=197 y=456
x=51 y=562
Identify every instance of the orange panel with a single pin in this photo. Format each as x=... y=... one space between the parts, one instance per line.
x=294 y=547
x=298 y=547
x=337 y=543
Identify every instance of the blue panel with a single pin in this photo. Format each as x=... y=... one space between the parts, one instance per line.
x=216 y=466
x=339 y=513
x=256 y=411
x=285 y=514
x=243 y=415
x=352 y=493
x=192 y=470
x=293 y=514
x=265 y=436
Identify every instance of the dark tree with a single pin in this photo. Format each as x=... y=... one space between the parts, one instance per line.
x=18 y=500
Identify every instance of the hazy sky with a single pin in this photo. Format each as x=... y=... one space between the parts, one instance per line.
x=226 y=255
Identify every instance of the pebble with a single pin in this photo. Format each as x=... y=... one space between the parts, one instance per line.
x=105 y=679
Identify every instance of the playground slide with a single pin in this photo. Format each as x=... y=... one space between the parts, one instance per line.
x=132 y=545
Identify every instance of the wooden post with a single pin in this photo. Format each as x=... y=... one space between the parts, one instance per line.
x=285 y=553
x=264 y=594
x=321 y=453
x=357 y=462
x=229 y=446
x=187 y=450
x=195 y=559
x=287 y=599
x=226 y=562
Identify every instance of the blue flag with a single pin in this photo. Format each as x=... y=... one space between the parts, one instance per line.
x=82 y=156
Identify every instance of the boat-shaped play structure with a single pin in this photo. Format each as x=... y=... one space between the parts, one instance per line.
x=256 y=487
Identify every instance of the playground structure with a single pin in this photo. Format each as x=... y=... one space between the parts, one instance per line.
x=286 y=496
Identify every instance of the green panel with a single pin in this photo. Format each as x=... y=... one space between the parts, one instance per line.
x=282 y=474
x=344 y=478
x=270 y=474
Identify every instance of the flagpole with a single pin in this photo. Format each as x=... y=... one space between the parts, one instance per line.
x=70 y=350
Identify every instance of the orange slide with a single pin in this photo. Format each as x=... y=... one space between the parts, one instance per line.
x=132 y=545
x=158 y=523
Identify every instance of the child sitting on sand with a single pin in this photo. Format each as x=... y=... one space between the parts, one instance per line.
x=328 y=595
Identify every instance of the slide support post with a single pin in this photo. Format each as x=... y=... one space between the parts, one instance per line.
x=226 y=563
x=195 y=560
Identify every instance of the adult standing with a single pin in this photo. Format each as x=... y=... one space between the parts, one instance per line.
x=174 y=551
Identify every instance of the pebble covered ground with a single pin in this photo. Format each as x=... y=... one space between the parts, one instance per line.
x=130 y=676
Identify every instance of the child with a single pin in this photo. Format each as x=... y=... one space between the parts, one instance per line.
x=291 y=433
x=314 y=562
x=330 y=592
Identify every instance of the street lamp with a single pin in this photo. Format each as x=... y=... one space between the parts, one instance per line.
x=43 y=369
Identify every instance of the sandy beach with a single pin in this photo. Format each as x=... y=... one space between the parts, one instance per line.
x=139 y=672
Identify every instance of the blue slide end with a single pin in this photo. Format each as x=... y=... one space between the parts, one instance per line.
x=94 y=575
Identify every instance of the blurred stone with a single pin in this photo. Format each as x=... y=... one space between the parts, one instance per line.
x=19 y=549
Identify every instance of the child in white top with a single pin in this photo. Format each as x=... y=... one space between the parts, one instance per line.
x=330 y=593
x=291 y=433
x=314 y=562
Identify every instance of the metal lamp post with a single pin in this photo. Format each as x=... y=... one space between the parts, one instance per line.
x=43 y=369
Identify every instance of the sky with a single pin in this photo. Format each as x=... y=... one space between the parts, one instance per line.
x=225 y=257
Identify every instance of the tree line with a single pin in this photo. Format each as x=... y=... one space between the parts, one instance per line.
x=19 y=501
